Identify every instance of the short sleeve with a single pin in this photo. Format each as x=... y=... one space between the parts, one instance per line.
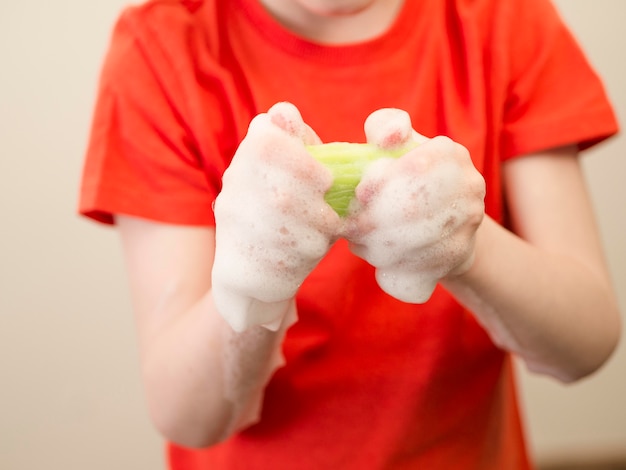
x=142 y=158
x=554 y=96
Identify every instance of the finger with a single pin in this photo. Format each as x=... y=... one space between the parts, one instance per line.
x=288 y=118
x=372 y=180
x=310 y=136
x=390 y=128
x=278 y=138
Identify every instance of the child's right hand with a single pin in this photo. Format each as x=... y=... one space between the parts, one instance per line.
x=272 y=223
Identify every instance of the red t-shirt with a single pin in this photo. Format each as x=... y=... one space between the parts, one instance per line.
x=369 y=382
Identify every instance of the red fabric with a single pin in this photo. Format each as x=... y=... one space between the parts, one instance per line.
x=370 y=382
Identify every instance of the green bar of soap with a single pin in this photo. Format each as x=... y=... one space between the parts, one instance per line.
x=347 y=162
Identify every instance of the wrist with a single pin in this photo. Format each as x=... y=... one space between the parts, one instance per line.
x=468 y=270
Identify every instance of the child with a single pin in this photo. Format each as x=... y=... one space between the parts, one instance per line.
x=332 y=361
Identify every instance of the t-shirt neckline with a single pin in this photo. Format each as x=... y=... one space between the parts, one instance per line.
x=364 y=51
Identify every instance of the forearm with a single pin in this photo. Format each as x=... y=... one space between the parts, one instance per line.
x=202 y=379
x=558 y=315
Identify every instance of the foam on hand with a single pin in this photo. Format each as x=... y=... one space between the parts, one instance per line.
x=400 y=200
x=413 y=219
x=272 y=224
x=243 y=380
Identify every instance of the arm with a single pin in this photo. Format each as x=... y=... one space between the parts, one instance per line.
x=185 y=345
x=204 y=297
x=544 y=292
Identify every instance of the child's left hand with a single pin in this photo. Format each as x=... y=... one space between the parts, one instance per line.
x=417 y=215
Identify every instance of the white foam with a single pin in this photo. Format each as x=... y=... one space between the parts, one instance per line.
x=273 y=225
x=413 y=241
x=391 y=128
x=244 y=379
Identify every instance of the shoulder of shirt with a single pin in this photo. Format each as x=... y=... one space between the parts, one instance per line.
x=169 y=11
x=160 y=37
x=169 y=16
x=169 y=22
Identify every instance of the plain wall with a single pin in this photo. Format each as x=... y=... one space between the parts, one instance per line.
x=70 y=396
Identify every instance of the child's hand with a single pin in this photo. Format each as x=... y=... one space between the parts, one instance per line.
x=272 y=223
x=417 y=214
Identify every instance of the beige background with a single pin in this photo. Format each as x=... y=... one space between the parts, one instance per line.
x=70 y=397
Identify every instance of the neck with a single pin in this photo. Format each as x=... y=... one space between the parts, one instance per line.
x=335 y=27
